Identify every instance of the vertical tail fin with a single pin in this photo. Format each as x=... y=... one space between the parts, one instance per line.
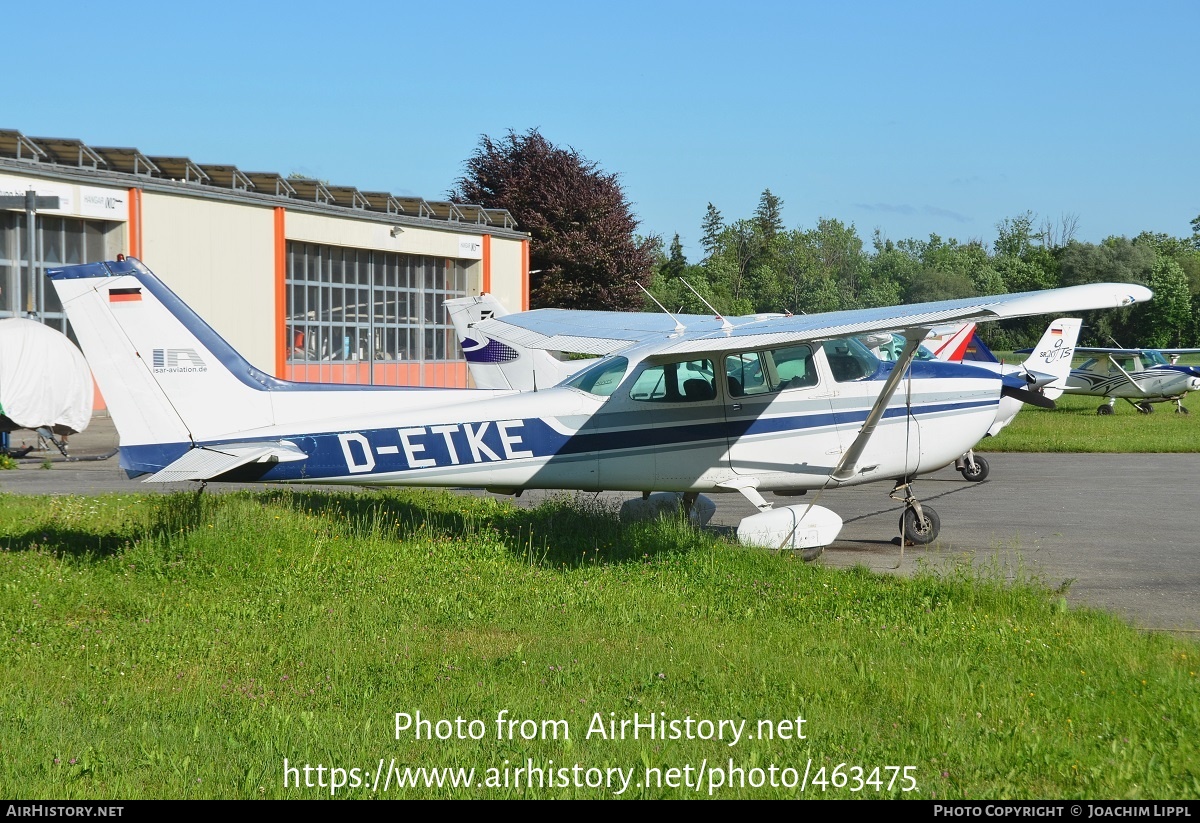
x=953 y=347
x=495 y=363
x=1053 y=352
x=166 y=376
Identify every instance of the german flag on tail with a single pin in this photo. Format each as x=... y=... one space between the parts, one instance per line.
x=125 y=295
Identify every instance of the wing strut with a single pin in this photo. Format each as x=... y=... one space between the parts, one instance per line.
x=849 y=462
x=1130 y=380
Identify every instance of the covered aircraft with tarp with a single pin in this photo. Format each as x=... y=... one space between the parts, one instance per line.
x=44 y=381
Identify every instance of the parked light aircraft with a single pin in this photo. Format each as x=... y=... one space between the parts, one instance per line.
x=1141 y=376
x=1046 y=370
x=812 y=407
x=497 y=363
x=499 y=360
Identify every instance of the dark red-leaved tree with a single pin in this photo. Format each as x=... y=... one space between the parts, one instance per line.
x=582 y=247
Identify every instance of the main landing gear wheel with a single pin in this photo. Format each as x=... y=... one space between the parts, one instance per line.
x=1104 y=410
x=977 y=472
x=915 y=531
x=1181 y=410
x=1145 y=408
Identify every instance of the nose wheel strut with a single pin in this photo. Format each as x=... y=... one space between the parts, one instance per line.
x=919 y=525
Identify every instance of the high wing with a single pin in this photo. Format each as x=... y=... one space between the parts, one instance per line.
x=1131 y=352
x=595 y=332
x=604 y=332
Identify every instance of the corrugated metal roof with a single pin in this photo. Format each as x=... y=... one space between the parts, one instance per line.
x=73 y=153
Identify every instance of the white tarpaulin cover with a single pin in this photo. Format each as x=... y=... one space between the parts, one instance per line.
x=44 y=380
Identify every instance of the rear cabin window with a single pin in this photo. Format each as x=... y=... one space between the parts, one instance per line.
x=751 y=373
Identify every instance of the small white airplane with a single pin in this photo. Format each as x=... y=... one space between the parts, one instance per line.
x=812 y=408
x=1141 y=376
x=1046 y=370
x=499 y=363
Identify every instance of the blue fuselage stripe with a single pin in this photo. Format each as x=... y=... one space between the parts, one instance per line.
x=388 y=450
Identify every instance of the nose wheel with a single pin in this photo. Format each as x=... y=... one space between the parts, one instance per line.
x=919 y=525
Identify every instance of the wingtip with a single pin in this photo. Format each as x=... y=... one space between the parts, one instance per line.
x=1139 y=294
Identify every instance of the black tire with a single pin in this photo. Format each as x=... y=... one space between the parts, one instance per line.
x=982 y=469
x=1181 y=410
x=1105 y=409
x=809 y=555
x=913 y=532
x=1145 y=408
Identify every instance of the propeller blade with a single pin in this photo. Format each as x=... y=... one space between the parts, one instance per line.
x=1031 y=397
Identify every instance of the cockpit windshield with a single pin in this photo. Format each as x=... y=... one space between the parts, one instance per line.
x=601 y=379
x=849 y=359
x=891 y=351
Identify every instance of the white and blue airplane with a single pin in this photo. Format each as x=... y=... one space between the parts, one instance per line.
x=499 y=360
x=496 y=363
x=1046 y=372
x=1140 y=376
x=812 y=408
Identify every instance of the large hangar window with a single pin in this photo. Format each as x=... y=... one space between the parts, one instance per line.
x=370 y=307
x=61 y=241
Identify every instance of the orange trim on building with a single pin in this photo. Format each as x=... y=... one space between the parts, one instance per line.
x=282 y=344
x=486 y=288
x=524 y=275
x=135 y=223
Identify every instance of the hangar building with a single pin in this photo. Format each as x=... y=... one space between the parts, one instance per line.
x=310 y=281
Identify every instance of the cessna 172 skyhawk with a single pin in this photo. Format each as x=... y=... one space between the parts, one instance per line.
x=814 y=408
x=1141 y=376
x=498 y=361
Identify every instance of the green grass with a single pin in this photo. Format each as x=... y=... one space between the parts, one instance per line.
x=184 y=646
x=1074 y=426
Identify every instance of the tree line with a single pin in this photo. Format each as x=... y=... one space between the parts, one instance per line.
x=585 y=254
x=754 y=264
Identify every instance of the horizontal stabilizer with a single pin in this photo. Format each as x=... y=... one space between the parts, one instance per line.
x=208 y=462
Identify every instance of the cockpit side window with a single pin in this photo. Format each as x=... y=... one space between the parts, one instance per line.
x=601 y=379
x=688 y=381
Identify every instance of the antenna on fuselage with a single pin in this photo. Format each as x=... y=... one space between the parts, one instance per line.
x=725 y=324
x=679 y=327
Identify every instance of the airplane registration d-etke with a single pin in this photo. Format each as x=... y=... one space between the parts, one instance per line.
x=773 y=403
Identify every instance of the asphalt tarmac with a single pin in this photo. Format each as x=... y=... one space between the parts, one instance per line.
x=1116 y=528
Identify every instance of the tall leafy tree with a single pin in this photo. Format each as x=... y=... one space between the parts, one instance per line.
x=1167 y=319
x=583 y=251
x=1022 y=257
x=730 y=268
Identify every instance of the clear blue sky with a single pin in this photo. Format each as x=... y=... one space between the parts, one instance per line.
x=912 y=118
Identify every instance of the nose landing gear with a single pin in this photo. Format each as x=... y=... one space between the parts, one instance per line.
x=919 y=525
